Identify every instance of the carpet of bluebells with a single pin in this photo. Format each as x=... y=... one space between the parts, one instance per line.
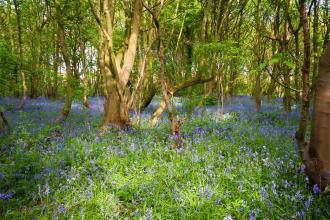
x=235 y=164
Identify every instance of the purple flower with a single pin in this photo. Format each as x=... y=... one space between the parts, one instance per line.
x=274 y=189
x=175 y=196
x=37 y=176
x=48 y=170
x=300 y=214
x=149 y=213
x=241 y=188
x=316 y=189
x=251 y=216
x=264 y=193
x=62 y=209
x=6 y=196
x=298 y=194
x=308 y=202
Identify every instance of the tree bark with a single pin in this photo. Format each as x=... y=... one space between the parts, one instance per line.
x=84 y=71
x=69 y=74
x=21 y=56
x=327 y=24
x=4 y=125
x=258 y=89
x=285 y=68
x=297 y=68
x=316 y=155
x=315 y=46
x=320 y=139
x=116 y=76
x=54 y=86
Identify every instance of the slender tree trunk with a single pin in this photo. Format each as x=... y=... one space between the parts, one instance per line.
x=85 y=76
x=69 y=74
x=164 y=84
x=297 y=68
x=327 y=24
x=54 y=86
x=285 y=68
x=21 y=56
x=15 y=81
x=258 y=90
x=4 y=125
x=149 y=88
x=275 y=67
x=101 y=62
x=36 y=53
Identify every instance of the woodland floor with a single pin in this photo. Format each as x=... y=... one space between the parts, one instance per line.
x=239 y=165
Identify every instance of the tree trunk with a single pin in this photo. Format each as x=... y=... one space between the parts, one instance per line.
x=297 y=68
x=285 y=68
x=85 y=76
x=54 y=86
x=69 y=74
x=326 y=23
x=36 y=53
x=320 y=139
x=258 y=90
x=315 y=46
x=316 y=156
x=21 y=57
x=116 y=76
x=116 y=112
x=275 y=67
x=3 y=122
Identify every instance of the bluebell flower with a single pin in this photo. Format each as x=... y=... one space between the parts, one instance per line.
x=149 y=213
x=264 y=193
x=252 y=216
x=62 y=209
x=228 y=218
x=308 y=202
x=241 y=188
x=175 y=196
x=37 y=176
x=300 y=214
x=316 y=189
x=6 y=196
x=274 y=189
x=298 y=194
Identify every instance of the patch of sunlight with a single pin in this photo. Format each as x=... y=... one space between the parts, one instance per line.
x=294 y=106
x=219 y=116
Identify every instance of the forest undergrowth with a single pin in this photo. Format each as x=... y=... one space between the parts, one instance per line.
x=234 y=165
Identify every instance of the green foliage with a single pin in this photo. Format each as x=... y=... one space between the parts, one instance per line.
x=282 y=58
x=228 y=49
x=210 y=100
